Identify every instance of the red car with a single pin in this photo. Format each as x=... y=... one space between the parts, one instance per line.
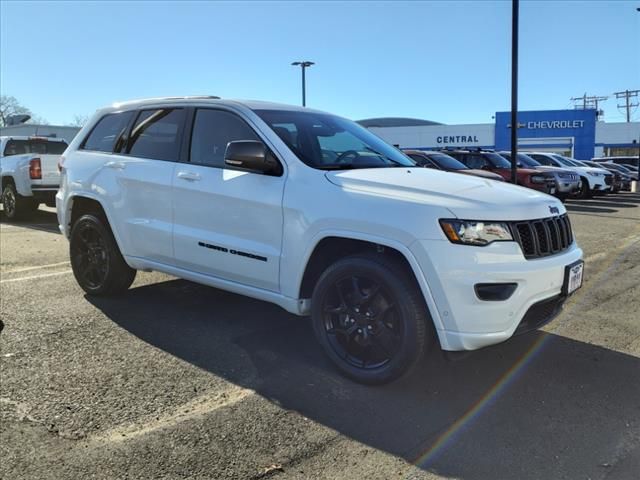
x=492 y=162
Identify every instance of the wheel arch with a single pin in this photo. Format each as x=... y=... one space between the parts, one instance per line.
x=82 y=204
x=331 y=246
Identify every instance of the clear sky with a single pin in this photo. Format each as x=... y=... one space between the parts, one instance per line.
x=444 y=61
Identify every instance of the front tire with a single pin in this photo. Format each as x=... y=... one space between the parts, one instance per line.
x=17 y=207
x=96 y=260
x=370 y=318
x=584 y=191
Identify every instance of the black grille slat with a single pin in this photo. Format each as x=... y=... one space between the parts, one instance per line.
x=554 y=234
x=562 y=233
x=543 y=237
x=525 y=237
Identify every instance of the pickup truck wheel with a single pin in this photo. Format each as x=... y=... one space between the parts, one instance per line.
x=370 y=318
x=96 y=260
x=16 y=206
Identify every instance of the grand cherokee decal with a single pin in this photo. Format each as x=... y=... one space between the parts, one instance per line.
x=232 y=251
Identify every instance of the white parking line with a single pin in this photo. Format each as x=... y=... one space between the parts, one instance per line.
x=35 y=277
x=26 y=269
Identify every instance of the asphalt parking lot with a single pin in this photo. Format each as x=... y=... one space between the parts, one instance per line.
x=176 y=380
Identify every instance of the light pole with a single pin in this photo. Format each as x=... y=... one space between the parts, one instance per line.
x=514 y=89
x=303 y=65
x=637 y=183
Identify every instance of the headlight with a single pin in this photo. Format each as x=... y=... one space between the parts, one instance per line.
x=471 y=232
x=538 y=179
x=595 y=174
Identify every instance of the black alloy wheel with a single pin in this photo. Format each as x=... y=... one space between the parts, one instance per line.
x=96 y=260
x=370 y=317
x=90 y=256
x=362 y=322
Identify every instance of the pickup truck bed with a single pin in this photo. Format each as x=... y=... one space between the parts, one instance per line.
x=29 y=172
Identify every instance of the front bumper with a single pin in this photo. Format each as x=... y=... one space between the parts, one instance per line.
x=462 y=320
x=563 y=186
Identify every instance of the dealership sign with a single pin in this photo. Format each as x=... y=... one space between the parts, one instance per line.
x=456 y=139
x=562 y=129
x=555 y=124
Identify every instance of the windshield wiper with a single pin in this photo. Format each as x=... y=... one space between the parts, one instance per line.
x=349 y=166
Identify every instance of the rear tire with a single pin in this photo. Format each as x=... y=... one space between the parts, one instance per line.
x=370 y=318
x=17 y=207
x=96 y=260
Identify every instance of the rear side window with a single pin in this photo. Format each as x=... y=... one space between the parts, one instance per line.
x=34 y=145
x=212 y=131
x=157 y=134
x=105 y=134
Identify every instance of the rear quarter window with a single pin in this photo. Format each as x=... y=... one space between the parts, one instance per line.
x=106 y=132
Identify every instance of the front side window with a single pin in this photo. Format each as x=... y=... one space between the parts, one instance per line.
x=156 y=134
x=107 y=131
x=332 y=143
x=212 y=131
x=34 y=145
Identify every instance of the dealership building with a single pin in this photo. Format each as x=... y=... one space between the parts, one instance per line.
x=574 y=133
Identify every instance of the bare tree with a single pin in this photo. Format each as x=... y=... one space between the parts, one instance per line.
x=10 y=106
x=79 y=120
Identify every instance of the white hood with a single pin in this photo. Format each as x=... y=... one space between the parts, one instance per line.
x=465 y=196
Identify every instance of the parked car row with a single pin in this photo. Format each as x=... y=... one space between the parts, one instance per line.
x=542 y=171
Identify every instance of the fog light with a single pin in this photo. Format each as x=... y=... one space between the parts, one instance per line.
x=494 y=292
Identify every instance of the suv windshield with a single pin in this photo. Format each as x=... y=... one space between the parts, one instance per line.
x=446 y=162
x=523 y=160
x=565 y=161
x=332 y=143
x=497 y=160
x=34 y=145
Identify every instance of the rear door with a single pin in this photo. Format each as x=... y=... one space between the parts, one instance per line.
x=137 y=176
x=227 y=222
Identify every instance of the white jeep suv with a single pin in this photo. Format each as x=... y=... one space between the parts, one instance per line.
x=314 y=213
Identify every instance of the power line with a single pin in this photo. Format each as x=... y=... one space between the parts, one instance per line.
x=588 y=102
x=627 y=95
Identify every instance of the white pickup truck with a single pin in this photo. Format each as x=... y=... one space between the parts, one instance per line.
x=29 y=171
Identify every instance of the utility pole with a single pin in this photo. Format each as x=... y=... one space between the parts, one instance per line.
x=588 y=101
x=303 y=65
x=515 y=4
x=627 y=95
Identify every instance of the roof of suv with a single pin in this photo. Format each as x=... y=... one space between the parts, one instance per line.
x=207 y=99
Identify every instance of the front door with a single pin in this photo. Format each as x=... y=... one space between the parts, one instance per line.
x=227 y=223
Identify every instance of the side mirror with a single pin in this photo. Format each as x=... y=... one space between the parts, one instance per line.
x=253 y=156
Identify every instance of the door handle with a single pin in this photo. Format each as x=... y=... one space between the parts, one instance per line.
x=116 y=165
x=189 y=176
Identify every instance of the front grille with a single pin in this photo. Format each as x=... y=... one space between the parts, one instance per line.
x=608 y=179
x=569 y=177
x=540 y=314
x=543 y=237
